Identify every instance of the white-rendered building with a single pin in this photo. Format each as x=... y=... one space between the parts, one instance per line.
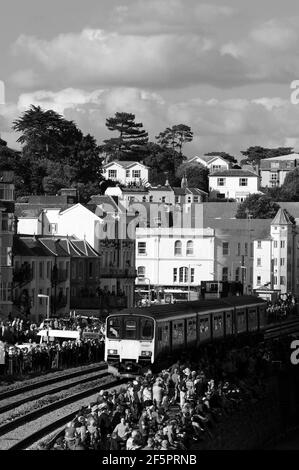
x=276 y=258
x=213 y=163
x=234 y=184
x=274 y=170
x=126 y=172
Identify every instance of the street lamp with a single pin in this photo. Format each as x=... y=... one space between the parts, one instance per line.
x=44 y=296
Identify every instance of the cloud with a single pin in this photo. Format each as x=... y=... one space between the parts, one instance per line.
x=228 y=125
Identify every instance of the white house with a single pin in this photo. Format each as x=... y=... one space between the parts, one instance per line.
x=234 y=184
x=126 y=172
x=276 y=257
x=274 y=170
x=213 y=163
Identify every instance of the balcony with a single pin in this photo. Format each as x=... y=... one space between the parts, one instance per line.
x=109 y=272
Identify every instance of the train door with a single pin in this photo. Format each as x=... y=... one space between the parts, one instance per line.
x=241 y=323
x=163 y=338
x=229 y=330
x=178 y=334
x=252 y=319
x=217 y=325
x=191 y=333
x=262 y=317
x=204 y=328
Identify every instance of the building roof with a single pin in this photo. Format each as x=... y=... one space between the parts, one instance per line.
x=160 y=188
x=291 y=207
x=53 y=245
x=289 y=157
x=124 y=164
x=234 y=172
x=281 y=218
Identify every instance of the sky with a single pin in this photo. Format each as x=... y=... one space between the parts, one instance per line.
x=223 y=67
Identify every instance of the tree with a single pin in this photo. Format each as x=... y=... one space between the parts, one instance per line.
x=55 y=154
x=175 y=137
x=131 y=136
x=162 y=162
x=289 y=191
x=226 y=156
x=196 y=174
x=255 y=154
x=259 y=206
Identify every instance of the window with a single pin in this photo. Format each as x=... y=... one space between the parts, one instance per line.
x=220 y=181
x=192 y=274
x=80 y=273
x=274 y=180
x=142 y=248
x=183 y=275
x=40 y=298
x=282 y=244
x=275 y=280
x=195 y=199
x=274 y=164
x=41 y=270
x=163 y=198
x=225 y=274
x=246 y=249
x=113 y=328
x=177 y=248
x=239 y=249
x=225 y=246
x=141 y=271
x=243 y=181
x=282 y=260
x=275 y=243
x=136 y=173
x=48 y=269
x=237 y=276
x=189 y=199
x=251 y=250
x=147 y=328
x=282 y=280
x=259 y=262
x=275 y=261
x=175 y=274
x=189 y=250
x=144 y=199
x=90 y=270
x=258 y=280
x=130 y=329
x=151 y=199
x=177 y=199
x=259 y=244
x=127 y=173
x=112 y=174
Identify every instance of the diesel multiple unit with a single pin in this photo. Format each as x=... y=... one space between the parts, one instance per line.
x=141 y=335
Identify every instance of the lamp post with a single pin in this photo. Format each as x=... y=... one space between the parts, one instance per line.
x=44 y=296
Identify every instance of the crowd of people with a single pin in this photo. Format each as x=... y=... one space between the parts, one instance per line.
x=281 y=308
x=178 y=408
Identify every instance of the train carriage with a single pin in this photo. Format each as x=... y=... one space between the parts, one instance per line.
x=141 y=335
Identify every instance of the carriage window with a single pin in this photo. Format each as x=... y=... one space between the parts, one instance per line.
x=113 y=328
x=147 y=329
x=130 y=329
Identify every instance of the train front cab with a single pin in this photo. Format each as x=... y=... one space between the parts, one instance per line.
x=129 y=339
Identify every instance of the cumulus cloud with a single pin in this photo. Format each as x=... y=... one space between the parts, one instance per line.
x=229 y=125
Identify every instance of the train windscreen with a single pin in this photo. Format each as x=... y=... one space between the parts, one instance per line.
x=123 y=327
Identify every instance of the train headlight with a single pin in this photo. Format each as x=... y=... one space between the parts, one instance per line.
x=112 y=352
x=146 y=353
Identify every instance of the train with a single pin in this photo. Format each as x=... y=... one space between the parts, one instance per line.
x=140 y=336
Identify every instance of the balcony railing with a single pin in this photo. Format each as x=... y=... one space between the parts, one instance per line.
x=117 y=272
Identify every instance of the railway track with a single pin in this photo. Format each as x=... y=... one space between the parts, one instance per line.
x=25 y=430
x=22 y=395
x=283 y=328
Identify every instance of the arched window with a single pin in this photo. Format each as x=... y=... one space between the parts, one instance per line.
x=183 y=277
x=141 y=271
x=178 y=248
x=189 y=250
